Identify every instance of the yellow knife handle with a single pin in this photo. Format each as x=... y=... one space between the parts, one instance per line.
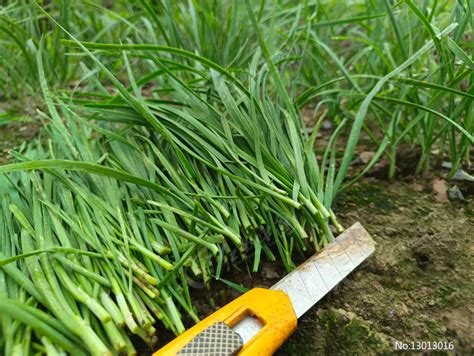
x=272 y=308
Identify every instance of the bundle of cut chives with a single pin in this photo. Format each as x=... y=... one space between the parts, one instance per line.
x=99 y=224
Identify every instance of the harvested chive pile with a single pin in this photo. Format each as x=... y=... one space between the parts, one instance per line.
x=100 y=222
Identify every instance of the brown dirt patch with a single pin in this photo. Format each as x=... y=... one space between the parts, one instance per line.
x=14 y=134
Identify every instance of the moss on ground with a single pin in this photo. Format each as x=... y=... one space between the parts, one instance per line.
x=337 y=332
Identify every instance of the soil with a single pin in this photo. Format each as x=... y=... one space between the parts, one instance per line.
x=418 y=285
x=13 y=134
x=23 y=126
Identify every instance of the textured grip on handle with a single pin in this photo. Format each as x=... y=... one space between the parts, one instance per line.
x=217 y=340
x=272 y=308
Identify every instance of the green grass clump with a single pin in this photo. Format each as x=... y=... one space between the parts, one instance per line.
x=415 y=65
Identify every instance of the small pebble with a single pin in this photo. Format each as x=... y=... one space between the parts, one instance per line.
x=455 y=194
